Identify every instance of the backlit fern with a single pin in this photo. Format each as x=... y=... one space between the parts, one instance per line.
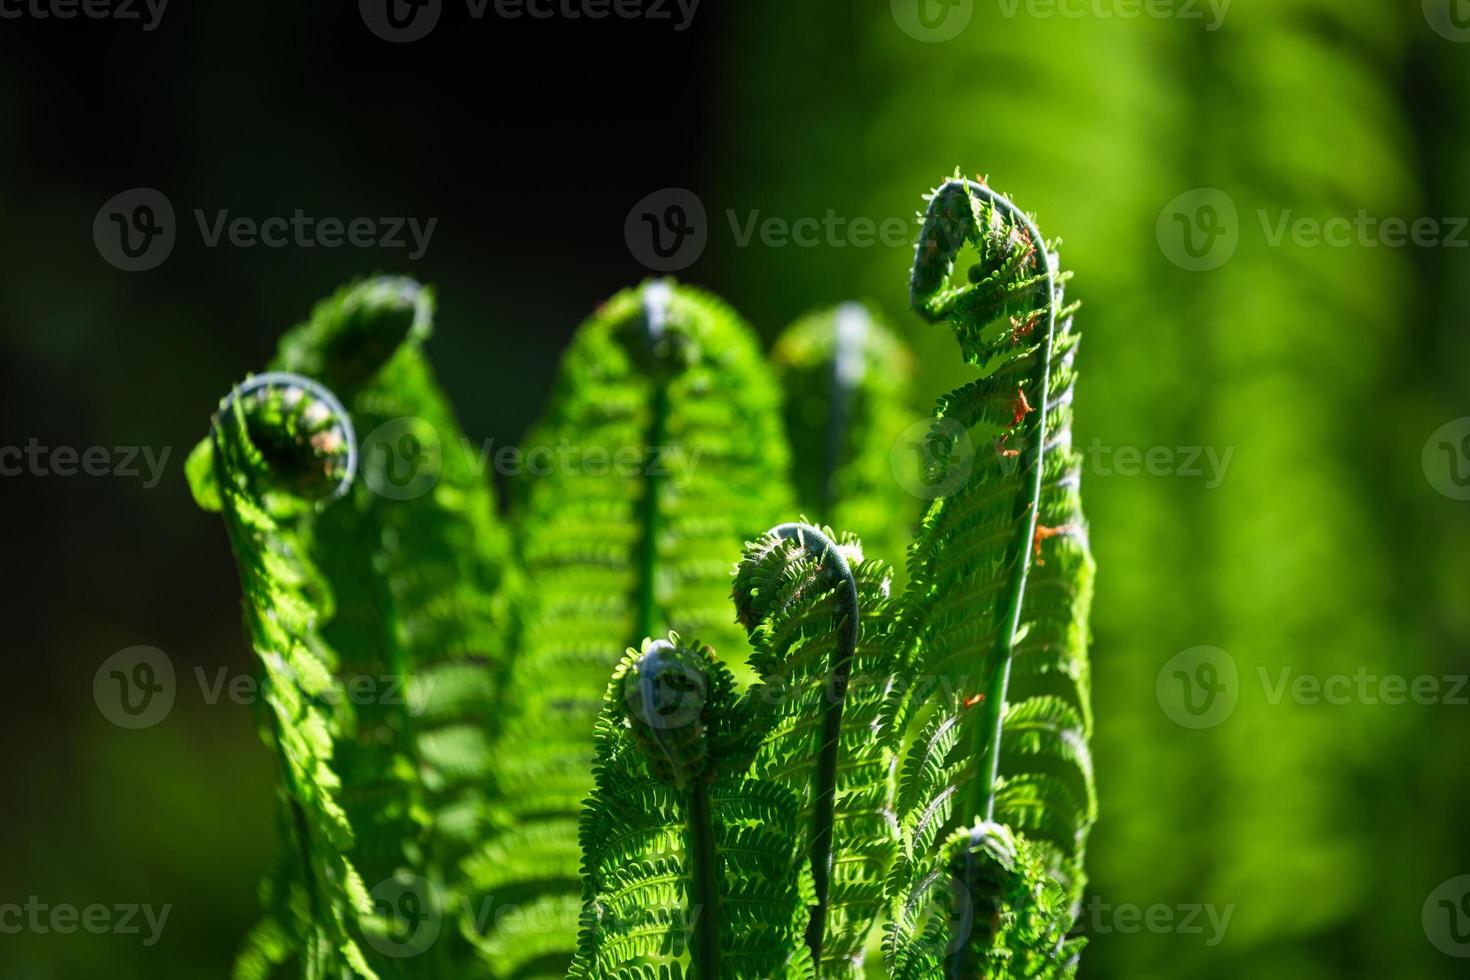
x=665 y=453
x=824 y=754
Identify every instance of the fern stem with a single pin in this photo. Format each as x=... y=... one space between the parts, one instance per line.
x=656 y=297
x=824 y=798
x=704 y=898
x=988 y=732
x=850 y=334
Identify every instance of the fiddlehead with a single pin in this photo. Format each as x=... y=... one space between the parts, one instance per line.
x=1014 y=272
x=824 y=788
x=691 y=867
x=281 y=445
x=998 y=729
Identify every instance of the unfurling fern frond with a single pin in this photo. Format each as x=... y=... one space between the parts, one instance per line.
x=419 y=561
x=821 y=622
x=281 y=445
x=989 y=908
x=660 y=454
x=688 y=867
x=848 y=385
x=418 y=632
x=999 y=717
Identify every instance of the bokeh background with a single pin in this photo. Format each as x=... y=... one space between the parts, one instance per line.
x=1332 y=543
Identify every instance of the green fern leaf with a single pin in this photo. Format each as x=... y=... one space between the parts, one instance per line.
x=1000 y=723
x=417 y=633
x=791 y=602
x=990 y=908
x=660 y=454
x=419 y=562
x=690 y=866
x=280 y=445
x=848 y=385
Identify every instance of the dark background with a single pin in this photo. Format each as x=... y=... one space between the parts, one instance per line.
x=1325 y=548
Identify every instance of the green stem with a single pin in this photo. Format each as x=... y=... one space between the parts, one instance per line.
x=850 y=327
x=704 y=897
x=655 y=311
x=824 y=798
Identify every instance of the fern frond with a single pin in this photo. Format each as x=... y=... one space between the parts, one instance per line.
x=280 y=445
x=848 y=385
x=420 y=563
x=989 y=908
x=999 y=726
x=660 y=454
x=418 y=630
x=691 y=868
x=789 y=592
